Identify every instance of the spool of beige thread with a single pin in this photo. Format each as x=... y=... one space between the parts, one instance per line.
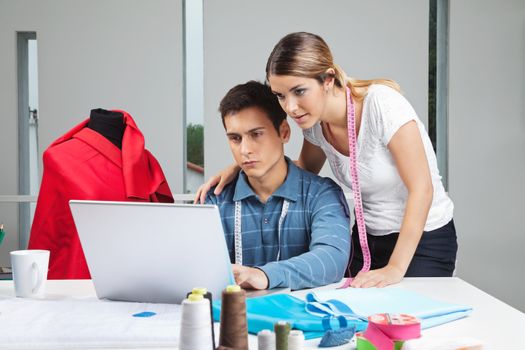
x=206 y=295
x=195 y=331
x=266 y=340
x=295 y=340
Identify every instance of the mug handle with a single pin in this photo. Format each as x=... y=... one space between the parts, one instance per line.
x=34 y=266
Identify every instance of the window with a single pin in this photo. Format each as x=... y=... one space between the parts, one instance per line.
x=194 y=99
x=27 y=129
x=438 y=83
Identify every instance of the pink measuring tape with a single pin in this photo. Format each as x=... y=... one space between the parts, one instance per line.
x=356 y=190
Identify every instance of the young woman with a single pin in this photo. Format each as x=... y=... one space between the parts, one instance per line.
x=408 y=216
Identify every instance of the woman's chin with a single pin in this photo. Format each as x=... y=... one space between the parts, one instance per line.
x=306 y=124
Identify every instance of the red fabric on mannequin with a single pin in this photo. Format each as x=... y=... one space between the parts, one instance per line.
x=83 y=164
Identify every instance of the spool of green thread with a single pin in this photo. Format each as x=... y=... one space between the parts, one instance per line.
x=282 y=329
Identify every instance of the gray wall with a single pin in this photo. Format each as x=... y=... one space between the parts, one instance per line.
x=140 y=70
x=487 y=143
x=124 y=54
x=366 y=42
x=487 y=83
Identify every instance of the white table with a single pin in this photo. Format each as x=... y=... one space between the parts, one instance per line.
x=492 y=321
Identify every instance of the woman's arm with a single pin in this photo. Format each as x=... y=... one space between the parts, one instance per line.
x=311 y=158
x=408 y=152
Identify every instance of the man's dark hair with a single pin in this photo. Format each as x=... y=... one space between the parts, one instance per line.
x=252 y=94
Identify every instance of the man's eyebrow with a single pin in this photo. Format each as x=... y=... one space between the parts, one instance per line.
x=257 y=129
x=247 y=132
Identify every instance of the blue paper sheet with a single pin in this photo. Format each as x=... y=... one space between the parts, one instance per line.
x=360 y=302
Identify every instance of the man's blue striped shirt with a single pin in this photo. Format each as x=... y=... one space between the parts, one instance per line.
x=315 y=239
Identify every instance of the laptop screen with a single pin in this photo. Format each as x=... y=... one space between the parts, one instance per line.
x=152 y=252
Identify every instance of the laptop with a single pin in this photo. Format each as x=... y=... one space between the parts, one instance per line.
x=152 y=252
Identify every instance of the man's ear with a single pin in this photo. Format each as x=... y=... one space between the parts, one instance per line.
x=285 y=131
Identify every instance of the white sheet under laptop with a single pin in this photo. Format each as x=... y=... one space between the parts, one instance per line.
x=152 y=252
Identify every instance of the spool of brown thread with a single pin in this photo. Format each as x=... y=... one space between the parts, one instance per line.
x=234 y=327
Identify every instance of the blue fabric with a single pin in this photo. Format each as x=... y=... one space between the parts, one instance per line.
x=354 y=304
x=361 y=303
x=315 y=239
x=263 y=312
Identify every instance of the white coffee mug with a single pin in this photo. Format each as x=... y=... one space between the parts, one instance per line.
x=29 y=272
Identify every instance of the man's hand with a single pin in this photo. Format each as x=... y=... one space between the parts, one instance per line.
x=249 y=277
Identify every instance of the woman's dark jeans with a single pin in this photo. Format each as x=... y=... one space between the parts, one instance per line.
x=435 y=255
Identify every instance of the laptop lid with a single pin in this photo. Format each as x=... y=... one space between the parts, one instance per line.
x=152 y=252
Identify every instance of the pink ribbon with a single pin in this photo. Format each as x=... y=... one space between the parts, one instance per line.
x=384 y=329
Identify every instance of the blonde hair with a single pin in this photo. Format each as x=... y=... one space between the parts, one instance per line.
x=307 y=55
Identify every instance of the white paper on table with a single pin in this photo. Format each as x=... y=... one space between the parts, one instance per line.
x=86 y=324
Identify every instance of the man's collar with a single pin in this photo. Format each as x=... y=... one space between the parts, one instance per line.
x=289 y=189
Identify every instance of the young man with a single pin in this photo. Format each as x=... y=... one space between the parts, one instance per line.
x=284 y=227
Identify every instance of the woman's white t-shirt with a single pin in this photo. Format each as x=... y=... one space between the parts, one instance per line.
x=383 y=192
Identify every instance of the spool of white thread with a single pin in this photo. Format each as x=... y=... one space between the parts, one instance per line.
x=295 y=340
x=266 y=340
x=195 y=331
